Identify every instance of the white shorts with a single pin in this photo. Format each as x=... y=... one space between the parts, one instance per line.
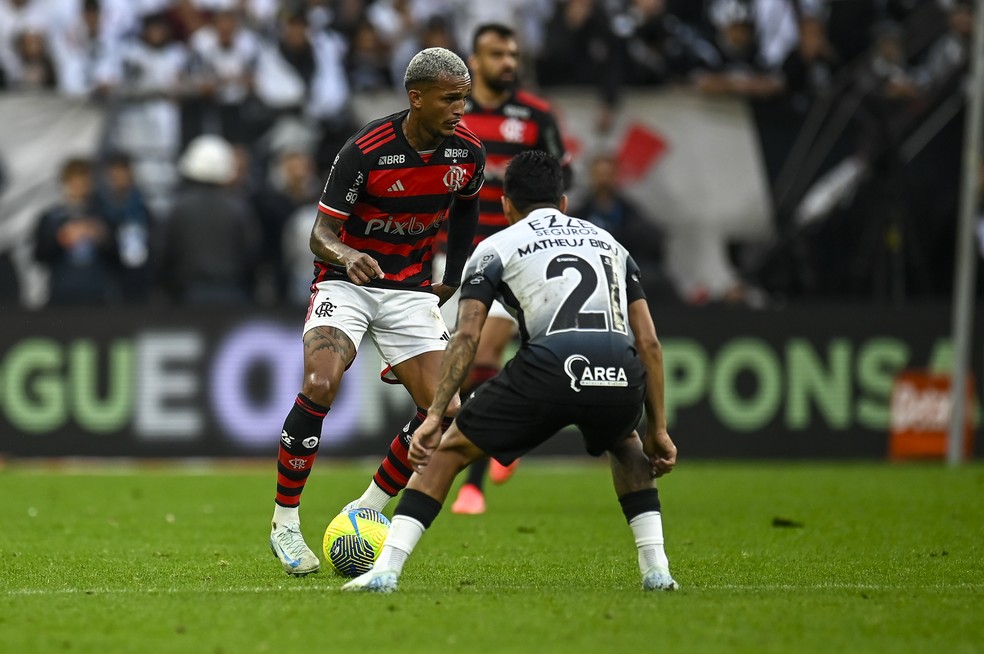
x=450 y=308
x=496 y=310
x=402 y=324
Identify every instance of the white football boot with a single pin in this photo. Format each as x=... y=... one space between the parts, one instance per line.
x=288 y=545
x=658 y=579
x=383 y=581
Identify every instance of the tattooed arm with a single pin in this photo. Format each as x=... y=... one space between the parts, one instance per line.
x=325 y=244
x=457 y=359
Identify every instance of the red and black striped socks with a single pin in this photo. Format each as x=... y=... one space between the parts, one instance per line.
x=299 y=443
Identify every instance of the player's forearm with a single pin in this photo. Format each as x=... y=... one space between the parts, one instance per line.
x=462 y=222
x=651 y=352
x=454 y=368
x=652 y=358
x=325 y=243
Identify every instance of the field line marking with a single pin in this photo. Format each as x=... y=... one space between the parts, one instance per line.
x=24 y=592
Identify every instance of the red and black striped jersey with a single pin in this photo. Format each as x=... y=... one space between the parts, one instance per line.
x=392 y=199
x=523 y=122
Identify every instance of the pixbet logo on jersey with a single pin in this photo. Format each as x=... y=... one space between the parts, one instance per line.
x=593 y=375
x=392 y=226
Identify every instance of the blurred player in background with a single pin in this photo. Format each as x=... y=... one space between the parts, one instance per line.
x=391 y=187
x=508 y=121
x=590 y=357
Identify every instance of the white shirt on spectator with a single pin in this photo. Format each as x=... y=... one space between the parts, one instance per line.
x=32 y=16
x=228 y=67
x=278 y=85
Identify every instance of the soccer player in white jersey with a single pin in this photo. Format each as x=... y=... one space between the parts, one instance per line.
x=589 y=357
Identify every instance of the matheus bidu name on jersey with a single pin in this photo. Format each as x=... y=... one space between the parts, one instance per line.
x=536 y=246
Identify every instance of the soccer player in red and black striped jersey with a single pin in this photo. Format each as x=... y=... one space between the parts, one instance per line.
x=509 y=121
x=390 y=188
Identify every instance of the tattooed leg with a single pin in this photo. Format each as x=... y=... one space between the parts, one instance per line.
x=327 y=352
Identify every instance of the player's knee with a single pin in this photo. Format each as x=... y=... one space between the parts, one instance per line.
x=321 y=388
x=627 y=449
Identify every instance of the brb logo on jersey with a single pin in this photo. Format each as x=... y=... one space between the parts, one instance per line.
x=454 y=179
x=583 y=374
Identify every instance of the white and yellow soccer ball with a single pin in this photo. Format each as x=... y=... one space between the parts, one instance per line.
x=354 y=539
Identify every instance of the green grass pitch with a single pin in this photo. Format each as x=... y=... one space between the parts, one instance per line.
x=771 y=558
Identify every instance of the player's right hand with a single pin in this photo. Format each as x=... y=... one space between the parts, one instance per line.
x=424 y=443
x=361 y=268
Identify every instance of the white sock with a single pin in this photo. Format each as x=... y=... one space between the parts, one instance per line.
x=283 y=515
x=403 y=536
x=648 y=531
x=374 y=498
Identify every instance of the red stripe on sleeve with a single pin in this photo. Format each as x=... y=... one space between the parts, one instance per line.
x=373 y=134
x=334 y=213
x=375 y=145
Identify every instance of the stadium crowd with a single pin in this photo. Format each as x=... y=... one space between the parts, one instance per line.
x=225 y=115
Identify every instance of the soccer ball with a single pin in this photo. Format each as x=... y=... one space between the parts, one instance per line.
x=354 y=539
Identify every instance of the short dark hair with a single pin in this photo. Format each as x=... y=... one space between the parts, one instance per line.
x=532 y=178
x=75 y=167
x=503 y=31
x=117 y=158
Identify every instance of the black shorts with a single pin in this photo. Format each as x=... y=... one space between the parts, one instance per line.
x=506 y=424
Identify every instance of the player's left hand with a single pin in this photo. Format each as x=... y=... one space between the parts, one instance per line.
x=443 y=292
x=424 y=443
x=661 y=451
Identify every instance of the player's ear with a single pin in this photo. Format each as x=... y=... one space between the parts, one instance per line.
x=505 y=205
x=415 y=98
x=563 y=204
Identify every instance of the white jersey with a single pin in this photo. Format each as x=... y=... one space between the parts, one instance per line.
x=568 y=283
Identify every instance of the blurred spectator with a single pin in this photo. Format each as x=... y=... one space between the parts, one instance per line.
x=776 y=26
x=435 y=33
x=368 y=60
x=122 y=204
x=77 y=243
x=16 y=17
x=261 y=16
x=303 y=73
x=186 y=17
x=950 y=53
x=658 y=46
x=345 y=17
x=526 y=16
x=147 y=125
x=223 y=56
x=606 y=206
x=739 y=68
x=83 y=53
x=212 y=237
x=293 y=188
x=580 y=49
x=808 y=70
x=34 y=69
x=849 y=26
